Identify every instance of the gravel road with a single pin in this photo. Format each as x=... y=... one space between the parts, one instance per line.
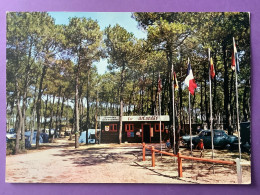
x=60 y=162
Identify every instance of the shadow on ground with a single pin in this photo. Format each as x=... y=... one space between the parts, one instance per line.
x=136 y=164
x=95 y=156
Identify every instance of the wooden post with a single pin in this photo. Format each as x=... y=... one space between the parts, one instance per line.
x=239 y=172
x=153 y=157
x=143 y=151
x=179 y=164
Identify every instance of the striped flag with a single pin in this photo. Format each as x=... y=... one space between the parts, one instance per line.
x=234 y=59
x=189 y=80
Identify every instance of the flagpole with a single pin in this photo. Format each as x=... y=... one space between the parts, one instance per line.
x=190 y=128
x=211 y=119
x=238 y=126
x=190 y=120
x=160 y=118
x=173 y=112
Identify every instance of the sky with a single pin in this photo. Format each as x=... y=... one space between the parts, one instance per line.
x=104 y=19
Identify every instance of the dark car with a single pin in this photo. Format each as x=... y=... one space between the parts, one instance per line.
x=221 y=139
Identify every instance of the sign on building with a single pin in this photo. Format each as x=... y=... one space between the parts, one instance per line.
x=134 y=118
x=108 y=118
x=146 y=118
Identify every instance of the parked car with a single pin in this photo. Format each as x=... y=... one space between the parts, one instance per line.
x=221 y=139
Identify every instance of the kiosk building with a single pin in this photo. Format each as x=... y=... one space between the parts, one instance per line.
x=135 y=129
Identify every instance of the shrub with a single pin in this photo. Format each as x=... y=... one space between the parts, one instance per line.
x=10 y=146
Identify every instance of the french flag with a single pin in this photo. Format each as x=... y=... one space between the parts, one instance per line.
x=189 y=80
x=234 y=59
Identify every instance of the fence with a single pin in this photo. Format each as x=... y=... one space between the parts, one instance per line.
x=180 y=157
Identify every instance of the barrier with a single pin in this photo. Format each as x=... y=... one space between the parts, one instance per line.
x=180 y=157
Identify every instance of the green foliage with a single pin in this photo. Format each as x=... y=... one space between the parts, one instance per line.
x=10 y=146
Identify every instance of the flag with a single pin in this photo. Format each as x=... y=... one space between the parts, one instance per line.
x=159 y=84
x=176 y=86
x=189 y=80
x=212 y=70
x=237 y=61
x=234 y=59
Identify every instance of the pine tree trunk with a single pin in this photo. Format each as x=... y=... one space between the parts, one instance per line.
x=205 y=94
x=38 y=107
x=121 y=103
x=33 y=113
x=61 y=114
x=77 y=105
x=45 y=113
x=226 y=92
x=88 y=119
x=152 y=96
x=19 y=126
x=34 y=125
x=121 y=122
x=57 y=114
x=96 y=118
x=67 y=115
x=181 y=105
x=50 y=124
x=24 y=120
x=245 y=97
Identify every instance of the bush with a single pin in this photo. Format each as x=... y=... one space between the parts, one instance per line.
x=10 y=146
x=21 y=144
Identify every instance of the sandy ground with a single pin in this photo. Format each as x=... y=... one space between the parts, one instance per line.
x=60 y=162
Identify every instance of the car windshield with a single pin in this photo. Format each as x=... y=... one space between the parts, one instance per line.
x=218 y=133
x=208 y=133
x=201 y=134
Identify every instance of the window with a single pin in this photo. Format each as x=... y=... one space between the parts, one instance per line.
x=129 y=127
x=218 y=133
x=157 y=127
x=113 y=127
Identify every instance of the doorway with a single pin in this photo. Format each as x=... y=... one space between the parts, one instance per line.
x=146 y=133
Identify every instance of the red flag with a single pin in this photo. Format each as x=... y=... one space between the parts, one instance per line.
x=212 y=70
x=233 y=62
x=159 y=84
x=234 y=53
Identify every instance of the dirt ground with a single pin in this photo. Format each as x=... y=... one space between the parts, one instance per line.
x=60 y=162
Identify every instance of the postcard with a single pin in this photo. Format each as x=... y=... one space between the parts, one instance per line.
x=128 y=97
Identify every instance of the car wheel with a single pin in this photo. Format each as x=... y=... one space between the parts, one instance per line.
x=228 y=146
